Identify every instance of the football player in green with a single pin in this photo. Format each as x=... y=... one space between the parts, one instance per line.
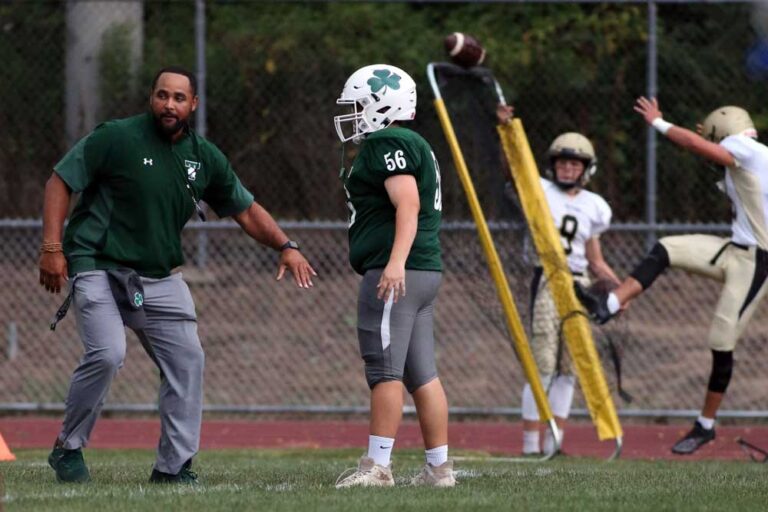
x=393 y=195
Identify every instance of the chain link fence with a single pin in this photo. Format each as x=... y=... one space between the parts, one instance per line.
x=273 y=72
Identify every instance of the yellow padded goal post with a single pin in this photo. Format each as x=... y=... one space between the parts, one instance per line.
x=576 y=329
x=512 y=316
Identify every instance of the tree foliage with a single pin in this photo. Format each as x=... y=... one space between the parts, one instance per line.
x=275 y=70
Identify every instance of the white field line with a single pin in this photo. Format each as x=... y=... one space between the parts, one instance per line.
x=140 y=492
x=468 y=473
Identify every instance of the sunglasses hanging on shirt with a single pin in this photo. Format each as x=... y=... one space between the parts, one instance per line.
x=198 y=208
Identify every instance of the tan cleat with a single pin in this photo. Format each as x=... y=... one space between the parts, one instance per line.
x=436 y=476
x=368 y=474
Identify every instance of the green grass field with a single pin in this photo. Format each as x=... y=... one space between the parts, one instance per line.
x=293 y=480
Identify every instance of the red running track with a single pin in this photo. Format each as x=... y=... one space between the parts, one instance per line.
x=503 y=438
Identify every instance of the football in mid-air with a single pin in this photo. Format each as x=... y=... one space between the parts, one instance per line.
x=464 y=50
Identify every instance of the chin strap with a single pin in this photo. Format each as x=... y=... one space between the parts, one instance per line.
x=341 y=170
x=566 y=186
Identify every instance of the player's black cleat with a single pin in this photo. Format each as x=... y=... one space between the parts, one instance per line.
x=596 y=303
x=693 y=440
x=185 y=476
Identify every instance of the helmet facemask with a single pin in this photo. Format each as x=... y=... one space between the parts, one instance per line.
x=352 y=126
x=574 y=146
x=580 y=181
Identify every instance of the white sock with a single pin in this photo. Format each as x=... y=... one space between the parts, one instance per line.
x=380 y=449
x=707 y=423
x=437 y=456
x=613 y=303
x=549 y=441
x=530 y=442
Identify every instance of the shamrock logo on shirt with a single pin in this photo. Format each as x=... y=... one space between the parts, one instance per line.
x=383 y=78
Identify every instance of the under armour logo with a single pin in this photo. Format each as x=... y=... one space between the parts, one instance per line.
x=147 y=161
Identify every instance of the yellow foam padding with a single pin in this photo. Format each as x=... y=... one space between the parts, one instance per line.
x=576 y=329
x=514 y=324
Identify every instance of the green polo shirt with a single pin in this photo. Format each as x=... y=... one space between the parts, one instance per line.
x=135 y=201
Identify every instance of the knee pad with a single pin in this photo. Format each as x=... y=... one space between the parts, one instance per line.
x=722 y=369
x=412 y=383
x=652 y=266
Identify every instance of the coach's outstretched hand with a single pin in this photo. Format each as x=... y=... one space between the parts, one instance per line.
x=298 y=265
x=649 y=109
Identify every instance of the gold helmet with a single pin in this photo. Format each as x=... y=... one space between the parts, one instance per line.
x=572 y=145
x=726 y=121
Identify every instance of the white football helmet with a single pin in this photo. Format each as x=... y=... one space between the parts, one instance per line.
x=725 y=121
x=379 y=95
x=572 y=145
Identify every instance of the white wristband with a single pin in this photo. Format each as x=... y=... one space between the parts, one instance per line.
x=661 y=125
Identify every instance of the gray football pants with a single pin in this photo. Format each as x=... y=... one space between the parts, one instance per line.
x=397 y=340
x=170 y=338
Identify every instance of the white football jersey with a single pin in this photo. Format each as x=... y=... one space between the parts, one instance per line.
x=578 y=218
x=746 y=184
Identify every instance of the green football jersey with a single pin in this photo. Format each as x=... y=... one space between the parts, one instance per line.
x=135 y=200
x=383 y=154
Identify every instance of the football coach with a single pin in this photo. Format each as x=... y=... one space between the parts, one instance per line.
x=140 y=180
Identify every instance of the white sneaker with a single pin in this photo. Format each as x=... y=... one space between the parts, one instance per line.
x=368 y=474
x=436 y=476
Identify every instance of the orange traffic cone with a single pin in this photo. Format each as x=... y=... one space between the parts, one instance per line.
x=5 y=452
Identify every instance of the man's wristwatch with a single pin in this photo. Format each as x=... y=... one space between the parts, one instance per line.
x=290 y=244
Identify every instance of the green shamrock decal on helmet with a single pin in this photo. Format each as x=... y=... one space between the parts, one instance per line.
x=138 y=299
x=383 y=78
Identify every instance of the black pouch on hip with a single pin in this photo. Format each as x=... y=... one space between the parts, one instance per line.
x=128 y=292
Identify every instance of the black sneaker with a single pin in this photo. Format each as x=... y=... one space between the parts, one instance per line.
x=596 y=303
x=693 y=440
x=185 y=476
x=68 y=465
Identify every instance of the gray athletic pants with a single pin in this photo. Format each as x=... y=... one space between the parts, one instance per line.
x=170 y=338
x=396 y=339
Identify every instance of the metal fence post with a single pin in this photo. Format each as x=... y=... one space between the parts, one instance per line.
x=13 y=341
x=650 y=165
x=201 y=254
